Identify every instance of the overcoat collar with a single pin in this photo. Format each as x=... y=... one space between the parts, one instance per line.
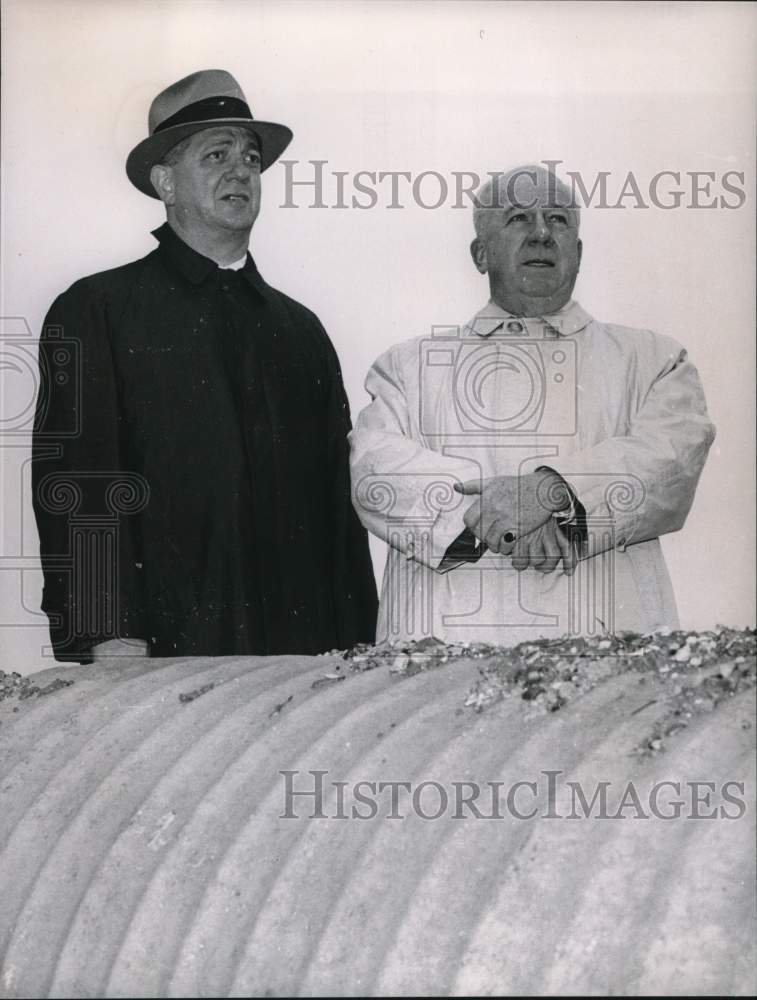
x=195 y=267
x=494 y=319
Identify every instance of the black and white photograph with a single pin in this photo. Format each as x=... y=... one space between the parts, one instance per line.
x=377 y=498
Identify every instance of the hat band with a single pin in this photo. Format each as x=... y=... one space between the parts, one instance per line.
x=209 y=109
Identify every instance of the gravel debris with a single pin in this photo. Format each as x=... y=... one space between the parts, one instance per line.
x=698 y=669
x=197 y=693
x=327 y=679
x=13 y=685
x=281 y=705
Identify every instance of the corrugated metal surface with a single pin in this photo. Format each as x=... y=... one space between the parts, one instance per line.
x=142 y=851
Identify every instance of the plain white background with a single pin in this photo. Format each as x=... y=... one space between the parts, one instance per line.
x=402 y=86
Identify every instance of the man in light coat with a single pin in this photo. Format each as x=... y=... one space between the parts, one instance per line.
x=522 y=467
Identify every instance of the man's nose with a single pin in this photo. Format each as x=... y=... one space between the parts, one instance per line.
x=540 y=231
x=239 y=167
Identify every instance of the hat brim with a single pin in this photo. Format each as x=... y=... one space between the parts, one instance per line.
x=273 y=139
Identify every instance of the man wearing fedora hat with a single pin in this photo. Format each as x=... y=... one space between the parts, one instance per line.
x=221 y=398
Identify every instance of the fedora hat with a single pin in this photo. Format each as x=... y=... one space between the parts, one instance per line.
x=203 y=100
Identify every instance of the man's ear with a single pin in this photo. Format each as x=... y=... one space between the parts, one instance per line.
x=161 y=177
x=580 y=250
x=478 y=253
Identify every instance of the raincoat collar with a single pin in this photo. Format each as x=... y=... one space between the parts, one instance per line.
x=195 y=267
x=494 y=319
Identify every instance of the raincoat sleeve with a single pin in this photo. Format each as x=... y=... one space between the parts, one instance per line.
x=352 y=580
x=641 y=485
x=403 y=491
x=76 y=474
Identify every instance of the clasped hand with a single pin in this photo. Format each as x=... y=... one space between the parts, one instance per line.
x=523 y=505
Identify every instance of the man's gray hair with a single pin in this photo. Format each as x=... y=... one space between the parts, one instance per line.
x=520 y=187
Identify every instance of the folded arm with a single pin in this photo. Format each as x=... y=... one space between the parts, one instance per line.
x=402 y=490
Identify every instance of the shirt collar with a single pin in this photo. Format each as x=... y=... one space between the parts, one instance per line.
x=235 y=265
x=195 y=267
x=493 y=318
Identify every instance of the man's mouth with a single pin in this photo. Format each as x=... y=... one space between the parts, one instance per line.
x=236 y=197
x=538 y=262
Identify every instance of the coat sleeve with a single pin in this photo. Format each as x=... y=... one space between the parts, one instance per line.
x=353 y=582
x=642 y=484
x=402 y=490
x=78 y=482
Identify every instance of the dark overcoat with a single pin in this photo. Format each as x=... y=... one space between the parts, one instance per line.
x=190 y=473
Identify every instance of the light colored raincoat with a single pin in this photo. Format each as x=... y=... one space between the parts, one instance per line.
x=618 y=412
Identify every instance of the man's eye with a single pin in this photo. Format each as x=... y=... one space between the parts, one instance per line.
x=215 y=155
x=518 y=217
x=253 y=158
x=558 y=217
